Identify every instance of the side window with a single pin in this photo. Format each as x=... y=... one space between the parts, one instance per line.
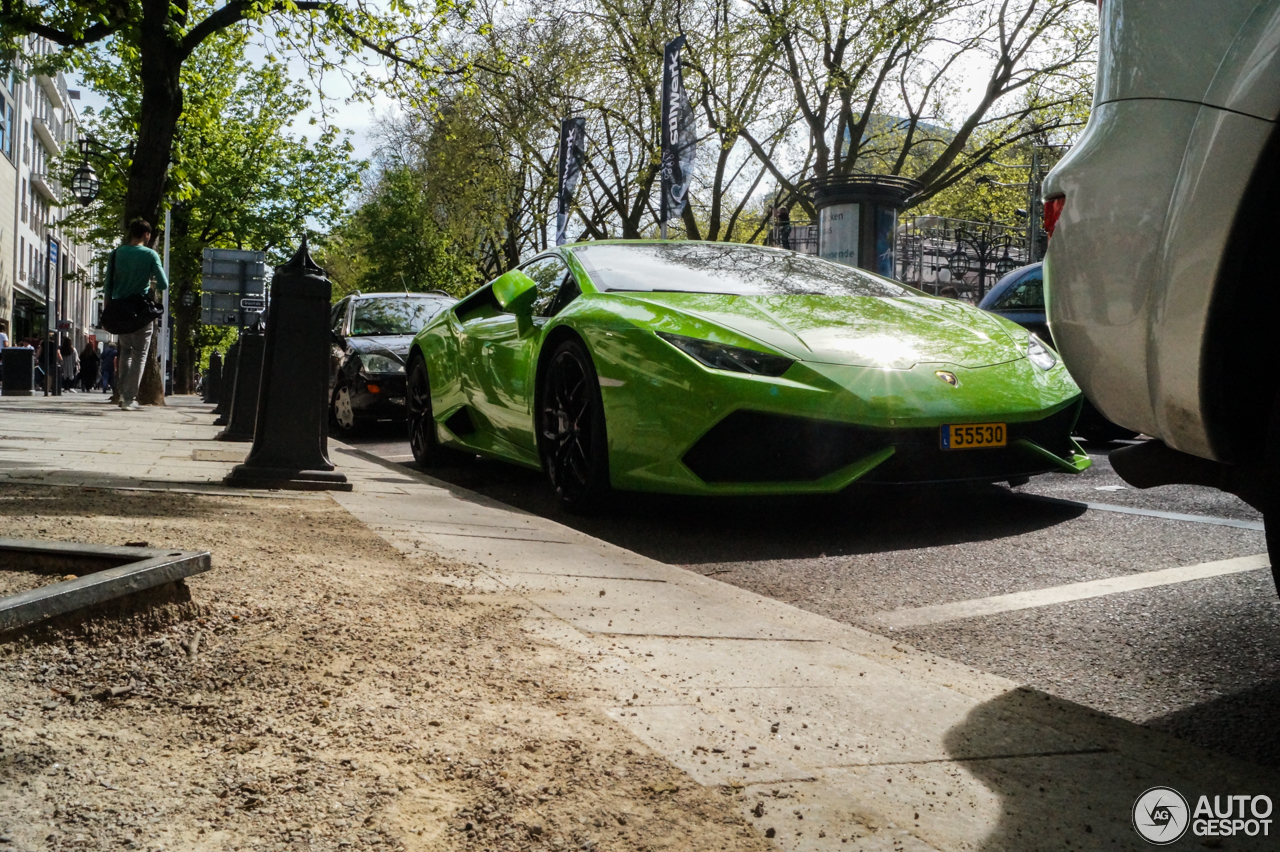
x=1026 y=295
x=568 y=293
x=548 y=273
x=337 y=315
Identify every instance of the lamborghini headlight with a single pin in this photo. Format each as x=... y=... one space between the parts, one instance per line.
x=380 y=364
x=720 y=356
x=1042 y=356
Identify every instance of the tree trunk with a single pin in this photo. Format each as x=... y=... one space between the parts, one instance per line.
x=185 y=358
x=160 y=63
x=151 y=392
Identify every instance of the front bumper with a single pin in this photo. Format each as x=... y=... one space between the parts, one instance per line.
x=676 y=427
x=379 y=397
x=753 y=448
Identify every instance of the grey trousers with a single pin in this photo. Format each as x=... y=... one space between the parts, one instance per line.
x=131 y=361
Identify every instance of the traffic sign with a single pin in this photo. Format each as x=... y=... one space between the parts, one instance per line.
x=234 y=271
x=253 y=304
x=228 y=309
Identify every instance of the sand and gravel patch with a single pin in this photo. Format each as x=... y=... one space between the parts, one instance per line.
x=312 y=692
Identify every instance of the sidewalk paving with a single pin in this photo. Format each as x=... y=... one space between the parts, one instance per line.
x=831 y=736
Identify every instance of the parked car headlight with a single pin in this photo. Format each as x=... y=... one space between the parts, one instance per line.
x=1042 y=356
x=380 y=364
x=720 y=356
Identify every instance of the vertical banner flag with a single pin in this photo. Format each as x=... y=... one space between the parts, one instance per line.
x=678 y=134
x=573 y=153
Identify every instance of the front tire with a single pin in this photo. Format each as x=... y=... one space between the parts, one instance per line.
x=571 y=429
x=342 y=412
x=1271 y=494
x=423 y=442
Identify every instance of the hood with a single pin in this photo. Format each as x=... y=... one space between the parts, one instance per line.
x=861 y=331
x=393 y=345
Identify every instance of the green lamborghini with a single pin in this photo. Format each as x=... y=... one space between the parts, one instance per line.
x=713 y=368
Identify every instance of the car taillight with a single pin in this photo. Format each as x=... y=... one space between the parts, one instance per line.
x=1052 y=210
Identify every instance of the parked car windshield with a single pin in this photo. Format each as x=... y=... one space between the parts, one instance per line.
x=404 y=315
x=726 y=269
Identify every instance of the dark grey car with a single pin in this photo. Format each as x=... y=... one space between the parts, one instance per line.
x=370 y=338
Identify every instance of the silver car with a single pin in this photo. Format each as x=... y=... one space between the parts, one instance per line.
x=1161 y=279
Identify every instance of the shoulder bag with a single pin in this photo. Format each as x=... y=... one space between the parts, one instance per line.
x=127 y=315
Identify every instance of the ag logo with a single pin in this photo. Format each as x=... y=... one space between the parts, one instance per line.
x=1160 y=815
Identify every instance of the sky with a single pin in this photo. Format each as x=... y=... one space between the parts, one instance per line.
x=358 y=117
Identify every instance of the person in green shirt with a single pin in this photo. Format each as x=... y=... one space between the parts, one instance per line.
x=132 y=270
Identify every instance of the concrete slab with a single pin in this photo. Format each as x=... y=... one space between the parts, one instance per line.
x=708 y=748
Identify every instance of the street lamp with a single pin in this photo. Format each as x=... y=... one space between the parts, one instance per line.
x=1006 y=264
x=85 y=183
x=984 y=242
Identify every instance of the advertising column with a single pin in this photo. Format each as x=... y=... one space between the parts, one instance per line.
x=858 y=219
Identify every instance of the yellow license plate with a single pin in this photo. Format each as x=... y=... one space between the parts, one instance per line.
x=974 y=436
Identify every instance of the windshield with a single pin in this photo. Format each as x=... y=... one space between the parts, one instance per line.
x=725 y=269
x=405 y=315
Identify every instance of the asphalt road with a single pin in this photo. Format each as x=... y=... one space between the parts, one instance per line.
x=1198 y=658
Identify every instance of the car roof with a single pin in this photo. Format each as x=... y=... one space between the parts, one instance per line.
x=651 y=241
x=430 y=294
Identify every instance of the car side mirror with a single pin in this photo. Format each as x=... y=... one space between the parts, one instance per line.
x=515 y=293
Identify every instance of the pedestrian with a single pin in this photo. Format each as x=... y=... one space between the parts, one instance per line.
x=4 y=334
x=89 y=365
x=70 y=365
x=784 y=226
x=131 y=270
x=47 y=373
x=109 y=368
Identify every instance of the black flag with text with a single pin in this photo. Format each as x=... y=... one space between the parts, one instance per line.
x=678 y=134
x=573 y=153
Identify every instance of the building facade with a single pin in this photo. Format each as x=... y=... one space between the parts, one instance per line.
x=45 y=275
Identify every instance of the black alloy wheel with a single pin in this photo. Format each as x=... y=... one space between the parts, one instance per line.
x=571 y=429
x=423 y=443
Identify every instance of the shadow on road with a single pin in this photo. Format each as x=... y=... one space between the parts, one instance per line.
x=1081 y=795
x=1242 y=724
x=700 y=530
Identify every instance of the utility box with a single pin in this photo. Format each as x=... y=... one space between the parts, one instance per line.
x=19 y=370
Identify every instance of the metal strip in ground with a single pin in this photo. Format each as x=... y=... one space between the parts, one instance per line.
x=926 y=615
x=1150 y=513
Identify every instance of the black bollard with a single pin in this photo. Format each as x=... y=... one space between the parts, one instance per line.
x=229 y=374
x=213 y=377
x=244 y=395
x=291 y=441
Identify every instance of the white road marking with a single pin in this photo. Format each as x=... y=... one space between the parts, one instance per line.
x=1147 y=513
x=920 y=616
